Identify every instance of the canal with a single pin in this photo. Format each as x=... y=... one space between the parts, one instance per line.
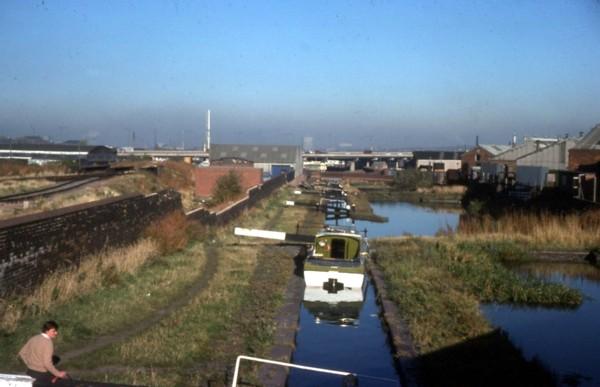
x=566 y=341
x=346 y=334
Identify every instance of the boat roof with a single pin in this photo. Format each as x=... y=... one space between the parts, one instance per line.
x=340 y=231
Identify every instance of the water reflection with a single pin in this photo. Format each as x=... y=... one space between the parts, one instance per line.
x=341 y=308
x=343 y=332
x=408 y=218
x=567 y=341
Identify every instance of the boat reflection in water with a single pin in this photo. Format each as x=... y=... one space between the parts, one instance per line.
x=334 y=275
x=337 y=308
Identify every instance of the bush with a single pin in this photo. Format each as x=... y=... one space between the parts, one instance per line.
x=411 y=179
x=170 y=232
x=227 y=188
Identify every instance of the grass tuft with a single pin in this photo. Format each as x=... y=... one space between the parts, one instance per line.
x=63 y=286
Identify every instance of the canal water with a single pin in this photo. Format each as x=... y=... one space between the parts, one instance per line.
x=347 y=334
x=566 y=341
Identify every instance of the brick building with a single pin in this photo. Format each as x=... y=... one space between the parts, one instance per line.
x=481 y=153
x=586 y=151
x=206 y=178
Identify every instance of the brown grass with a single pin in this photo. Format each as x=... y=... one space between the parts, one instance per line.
x=444 y=189
x=63 y=286
x=12 y=168
x=177 y=175
x=574 y=231
x=170 y=233
x=13 y=186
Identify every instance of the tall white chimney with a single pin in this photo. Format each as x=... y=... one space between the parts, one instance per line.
x=208 y=131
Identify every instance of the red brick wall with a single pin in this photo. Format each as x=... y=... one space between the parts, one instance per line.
x=578 y=157
x=469 y=159
x=206 y=178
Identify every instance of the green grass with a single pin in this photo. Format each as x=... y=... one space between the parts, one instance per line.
x=127 y=299
x=234 y=314
x=439 y=283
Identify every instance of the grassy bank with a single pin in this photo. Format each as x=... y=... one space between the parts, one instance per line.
x=220 y=316
x=450 y=195
x=363 y=209
x=438 y=285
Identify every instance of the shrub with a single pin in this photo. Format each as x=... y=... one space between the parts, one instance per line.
x=411 y=179
x=227 y=188
x=170 y=232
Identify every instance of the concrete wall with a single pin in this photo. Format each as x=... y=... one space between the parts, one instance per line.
x=448 y=164
x=34 y=245
x=206 y=178
x=553 y=156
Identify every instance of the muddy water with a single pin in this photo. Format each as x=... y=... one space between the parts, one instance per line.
x=347 y=335
x=567 y=341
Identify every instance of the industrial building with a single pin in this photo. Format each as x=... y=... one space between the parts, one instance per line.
x=587 y=150
x=272 y=159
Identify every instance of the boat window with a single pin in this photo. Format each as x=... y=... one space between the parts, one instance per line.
x=338 y=248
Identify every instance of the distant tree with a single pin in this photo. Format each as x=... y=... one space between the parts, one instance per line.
x=411 y=179
x=228 y=187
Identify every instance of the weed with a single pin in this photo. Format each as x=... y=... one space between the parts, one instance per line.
x=170 y=232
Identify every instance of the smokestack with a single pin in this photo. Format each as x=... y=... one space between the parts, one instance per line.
x=476 y=140
x=208 y=130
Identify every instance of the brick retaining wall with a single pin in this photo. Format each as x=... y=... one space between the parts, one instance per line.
x=34 y=245
x=255 y=194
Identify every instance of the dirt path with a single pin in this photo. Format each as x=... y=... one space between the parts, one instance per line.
x=201 y=283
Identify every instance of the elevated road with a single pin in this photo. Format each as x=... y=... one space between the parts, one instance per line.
x=168 y=153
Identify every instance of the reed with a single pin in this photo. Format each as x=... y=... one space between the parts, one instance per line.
x=439 y=283
x=170 y=232
x=545 y=230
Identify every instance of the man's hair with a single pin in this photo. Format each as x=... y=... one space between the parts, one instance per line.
x=49 y=325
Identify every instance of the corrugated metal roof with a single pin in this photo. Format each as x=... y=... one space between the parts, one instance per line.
x=49 y=147
x=591 y=140
x=437 y=155
x=553 y=156
x=517 y=151
x=285 y=154
x=495 y=149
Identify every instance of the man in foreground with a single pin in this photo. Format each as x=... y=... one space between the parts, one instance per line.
x=37 y=355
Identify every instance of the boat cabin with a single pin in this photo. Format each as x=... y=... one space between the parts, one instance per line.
x=337 y=246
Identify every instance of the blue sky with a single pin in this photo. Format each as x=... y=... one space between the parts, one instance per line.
x=382 y=74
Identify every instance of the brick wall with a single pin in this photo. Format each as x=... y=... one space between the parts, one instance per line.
x=255 y=195
x=473 y=158
x=579 y=157
x=34 y=245
x=206 y=178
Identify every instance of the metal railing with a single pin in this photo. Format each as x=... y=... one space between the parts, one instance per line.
x=283 y=364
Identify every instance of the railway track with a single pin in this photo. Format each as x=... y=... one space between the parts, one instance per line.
x=48 y=191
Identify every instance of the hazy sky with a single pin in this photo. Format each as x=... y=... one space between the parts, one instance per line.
x=387 y=74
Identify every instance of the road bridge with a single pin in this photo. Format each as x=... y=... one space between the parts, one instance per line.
x=179 y=153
